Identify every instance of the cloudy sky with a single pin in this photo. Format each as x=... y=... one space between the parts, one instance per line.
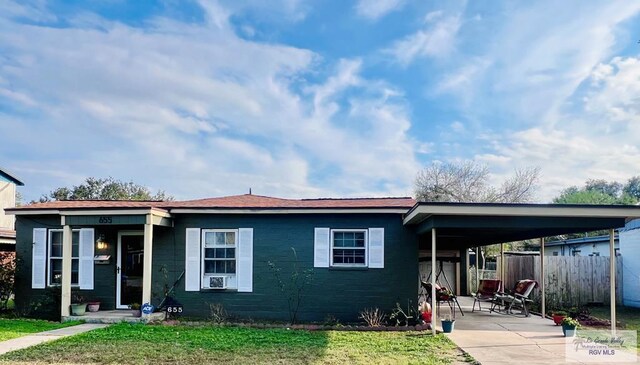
x=316 y=98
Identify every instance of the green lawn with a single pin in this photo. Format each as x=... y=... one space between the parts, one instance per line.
x=12 y=328
x=157 y=344
x=628 y=317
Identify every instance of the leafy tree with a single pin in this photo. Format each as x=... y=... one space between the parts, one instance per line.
x=105 y=189
x=632 y=188
x=469 y=182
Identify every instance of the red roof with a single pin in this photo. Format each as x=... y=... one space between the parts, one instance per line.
x=229 y=202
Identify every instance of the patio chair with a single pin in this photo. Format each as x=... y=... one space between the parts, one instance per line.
x=487 y=291
x=518 y=297
x=443 y=295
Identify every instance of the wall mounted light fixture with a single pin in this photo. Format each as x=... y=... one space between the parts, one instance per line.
x=101 y=244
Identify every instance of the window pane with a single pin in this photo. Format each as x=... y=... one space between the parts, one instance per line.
x=55 y=271
x=56 y=237
x=56 y=250
x=348 y=239
x=209 y=266
x=74 y=271
x=209 y=238
x=231 y=238
x=219 y=238
x=219 y=267
x=231 y=266
x=209 y=253
x=231 y=253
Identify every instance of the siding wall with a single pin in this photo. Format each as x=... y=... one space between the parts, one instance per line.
x=341 y=293
x=7 y=200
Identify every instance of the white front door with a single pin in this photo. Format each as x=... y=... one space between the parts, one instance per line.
x=129 y=268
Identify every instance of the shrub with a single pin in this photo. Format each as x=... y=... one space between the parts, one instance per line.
x=374 y=317
x=7 y=278
x=217 y=313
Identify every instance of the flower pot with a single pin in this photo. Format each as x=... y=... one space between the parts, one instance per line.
x=568 y=331
x=447 y=326
x=78 y=309
x=557 y=319
x=93 y=306
x=137 y=313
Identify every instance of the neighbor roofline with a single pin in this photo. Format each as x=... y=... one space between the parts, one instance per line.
x=11 y=177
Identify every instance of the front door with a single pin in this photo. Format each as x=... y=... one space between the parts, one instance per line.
x=129 y=269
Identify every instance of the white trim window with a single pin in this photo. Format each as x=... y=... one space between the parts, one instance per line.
x=219 y=258
x=349 y=247
x=54 y=257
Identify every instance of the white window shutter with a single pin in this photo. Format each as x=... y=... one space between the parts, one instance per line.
x=376 y=248
x=85 y=265
x=321 y=247
x=245 y=260
x=192 y=260
x=39 y=259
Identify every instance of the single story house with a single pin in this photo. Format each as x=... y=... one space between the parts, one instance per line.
x=363 y=252
x=583 y=246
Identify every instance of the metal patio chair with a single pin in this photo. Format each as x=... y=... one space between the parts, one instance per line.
x=487 y=291
x=517 y=298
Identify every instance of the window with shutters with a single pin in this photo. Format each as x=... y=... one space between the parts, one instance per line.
x=219 y=258
x=349 y=247
x=54 y=257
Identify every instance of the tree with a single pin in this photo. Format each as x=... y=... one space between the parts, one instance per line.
x=469 y=182
x=105 y=189
x=632 y=188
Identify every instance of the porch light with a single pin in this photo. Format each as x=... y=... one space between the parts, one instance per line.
x=101 y=244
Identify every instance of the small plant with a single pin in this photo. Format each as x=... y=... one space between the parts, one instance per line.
x=559 y=313
x=402 y=317
x=330 y=320
x=570 y=322
x=294 y=287
x=135 y=306
x=217 y=313
x=77 y=299
x=374 y=317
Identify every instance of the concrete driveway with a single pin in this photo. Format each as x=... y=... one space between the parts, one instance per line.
x=494 y=338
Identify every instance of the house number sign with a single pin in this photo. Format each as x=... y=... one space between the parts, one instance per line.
x=105 y=219
x=174 y=309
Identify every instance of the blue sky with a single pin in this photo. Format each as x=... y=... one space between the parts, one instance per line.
x=297 y=98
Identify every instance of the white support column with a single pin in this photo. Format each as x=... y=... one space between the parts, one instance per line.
x=147 y=260
x=67 y=237
x=502 y=266
x=542 y=277
x=433 y=281
x=612 y=275
x=477 y=268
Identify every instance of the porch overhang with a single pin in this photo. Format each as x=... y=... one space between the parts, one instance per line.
x=464 y=225
x=107 y=217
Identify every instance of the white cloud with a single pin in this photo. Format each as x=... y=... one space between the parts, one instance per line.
x=197 y=111
x=436 y=39
x=376 y=9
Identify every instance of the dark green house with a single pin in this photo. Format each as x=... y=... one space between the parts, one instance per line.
x=364 y=253
x=218 y=250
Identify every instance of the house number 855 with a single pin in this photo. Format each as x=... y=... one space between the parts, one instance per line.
x=105 y=220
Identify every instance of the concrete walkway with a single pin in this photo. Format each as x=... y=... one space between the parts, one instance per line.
x=494 y=338
x=46 y=336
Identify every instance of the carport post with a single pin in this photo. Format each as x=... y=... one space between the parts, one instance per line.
x=433 y=281
x=542 y=277
x=612 y=276
x=502 y=266
x=477 y=268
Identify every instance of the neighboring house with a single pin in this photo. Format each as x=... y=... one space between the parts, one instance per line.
x=584 y=246
x=8 y=184
x=364 y=253
x=630 y=249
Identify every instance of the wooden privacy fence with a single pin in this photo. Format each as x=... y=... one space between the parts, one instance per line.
x=570 y=280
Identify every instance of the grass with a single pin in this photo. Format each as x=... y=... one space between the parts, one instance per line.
x=157 y=344
x=629 y=317
x=12 y=328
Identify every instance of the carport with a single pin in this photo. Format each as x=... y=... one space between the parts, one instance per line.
x=459 y=226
